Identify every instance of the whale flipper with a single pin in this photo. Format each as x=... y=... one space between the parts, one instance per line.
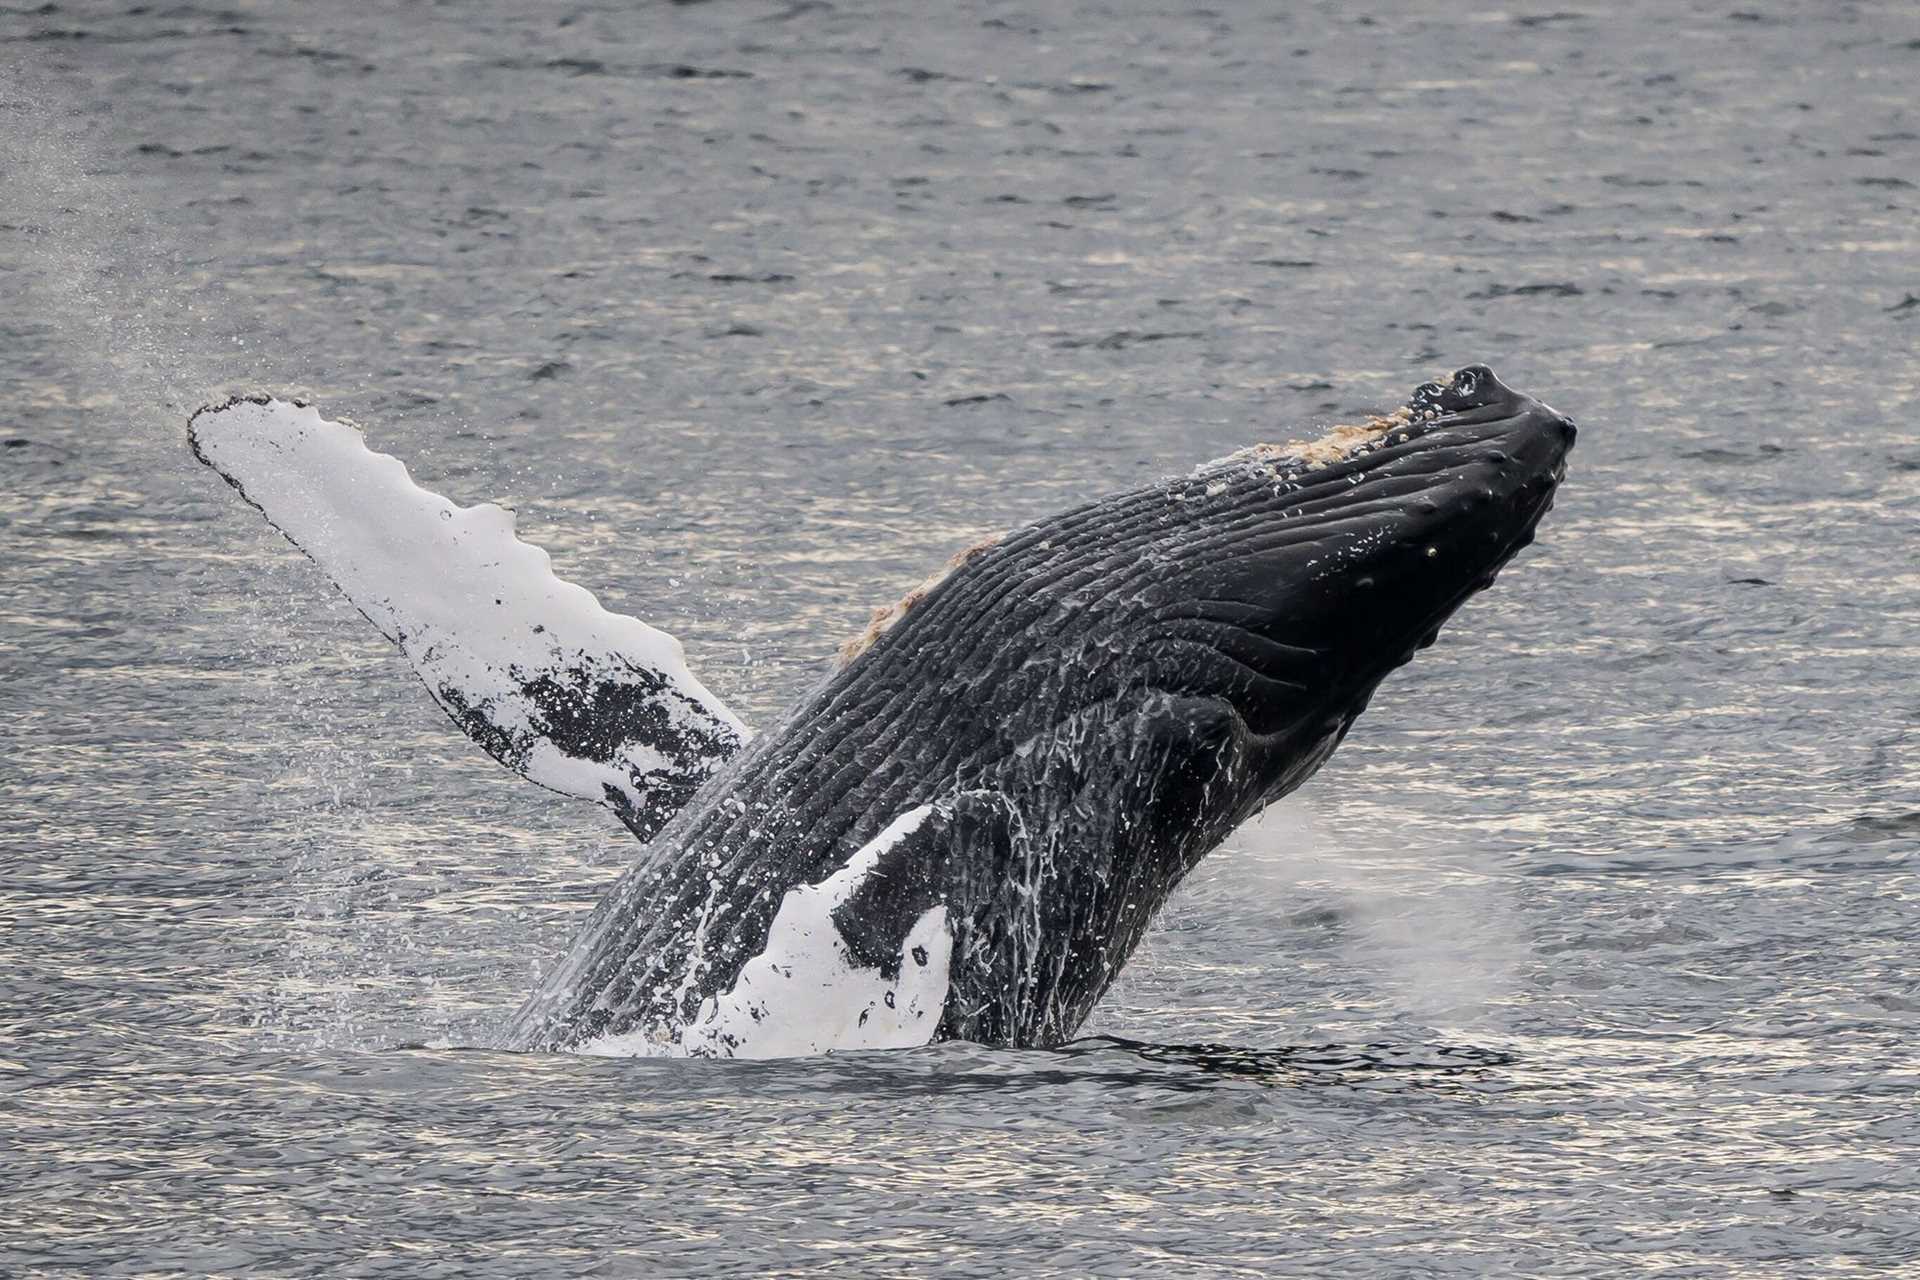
x=586 y=702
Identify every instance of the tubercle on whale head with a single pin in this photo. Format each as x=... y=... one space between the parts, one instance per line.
x=1475 y=393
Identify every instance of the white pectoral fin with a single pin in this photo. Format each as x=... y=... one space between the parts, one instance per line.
x=589 y=703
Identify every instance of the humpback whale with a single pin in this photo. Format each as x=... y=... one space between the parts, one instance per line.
x=967 y=827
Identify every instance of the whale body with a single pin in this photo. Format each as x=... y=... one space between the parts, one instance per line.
x=967 y=828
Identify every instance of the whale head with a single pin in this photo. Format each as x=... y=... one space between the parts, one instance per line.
x=1314 y=570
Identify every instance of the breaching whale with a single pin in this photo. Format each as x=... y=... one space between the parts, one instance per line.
x=965 y=830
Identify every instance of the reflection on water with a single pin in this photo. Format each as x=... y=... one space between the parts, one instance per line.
x=1383 y=1066
x=1592 y=950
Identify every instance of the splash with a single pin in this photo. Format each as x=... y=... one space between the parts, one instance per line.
x=119 y=329
x=1432 y=930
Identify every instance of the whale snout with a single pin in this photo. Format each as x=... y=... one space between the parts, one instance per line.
x=1487 y=460
x=1358 y=561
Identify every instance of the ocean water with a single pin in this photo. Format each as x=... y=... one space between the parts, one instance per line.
x=1591 y=953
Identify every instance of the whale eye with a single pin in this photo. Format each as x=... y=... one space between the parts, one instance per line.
x=1466 y=382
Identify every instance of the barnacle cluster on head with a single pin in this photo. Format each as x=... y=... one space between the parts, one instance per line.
x=1336 y=445
x=1338 y=442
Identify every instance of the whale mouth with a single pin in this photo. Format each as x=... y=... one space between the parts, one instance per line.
x=1455 y=448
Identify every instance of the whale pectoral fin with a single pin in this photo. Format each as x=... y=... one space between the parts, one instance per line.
x=586 y=702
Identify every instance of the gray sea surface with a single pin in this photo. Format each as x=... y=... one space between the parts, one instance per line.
x=1592 y=953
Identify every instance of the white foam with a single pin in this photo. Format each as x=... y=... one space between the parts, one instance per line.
x=805 y=994
x=477 y=612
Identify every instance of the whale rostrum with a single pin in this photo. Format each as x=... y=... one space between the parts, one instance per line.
x=967 y=827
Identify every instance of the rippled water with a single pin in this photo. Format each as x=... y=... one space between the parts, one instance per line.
x=1591 y=953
